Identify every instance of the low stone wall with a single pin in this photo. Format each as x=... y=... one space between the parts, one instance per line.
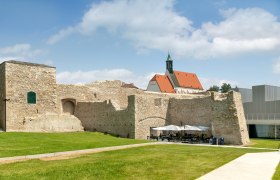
x=52 y=123
x=104 y=117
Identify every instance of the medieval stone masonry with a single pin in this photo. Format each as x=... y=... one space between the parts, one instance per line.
x=32 y=101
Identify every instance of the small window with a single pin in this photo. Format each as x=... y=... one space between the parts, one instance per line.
x=31 y=97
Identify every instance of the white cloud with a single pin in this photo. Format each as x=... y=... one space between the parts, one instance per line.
x=60 y=35
x=19 y=52
x=276 y=66
x=156 y=25
x=82 y=77
x=208 y=82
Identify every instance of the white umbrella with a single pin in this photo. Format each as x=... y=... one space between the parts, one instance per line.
x=191 y=128
x=203 y=128
x=169 y=128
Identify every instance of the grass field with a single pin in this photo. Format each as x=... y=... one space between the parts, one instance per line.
x=277 y=173
x=265 y=143
x=16 y=144
x=268 y=143
x=150 y=162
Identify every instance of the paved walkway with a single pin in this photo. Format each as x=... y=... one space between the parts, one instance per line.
x=249 y=166
x=253 y=166
x=72 y=153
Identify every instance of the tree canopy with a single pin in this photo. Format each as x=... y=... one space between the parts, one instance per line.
x=214 y=88
x=226 y=87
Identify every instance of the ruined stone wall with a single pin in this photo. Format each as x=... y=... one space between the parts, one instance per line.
x=196 y=111
x=96 y=92
x=80 y=93
x=22 y=78
x=150 y=111
x=2 y=96
x=223 y=113
x=104 y=117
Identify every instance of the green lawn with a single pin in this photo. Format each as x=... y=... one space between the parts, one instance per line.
x=265 y=143
x=16 y=144
x=277 y=173
x=150 y=162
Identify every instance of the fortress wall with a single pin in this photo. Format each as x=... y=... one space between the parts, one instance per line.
x=104 y=117
x=2 y=96
x=232 y=123
x=22 y=78
x=223 y=113
x=96 y=92
x=112 y=90
x=195 y=111
x=80 y=93
x=150 y=111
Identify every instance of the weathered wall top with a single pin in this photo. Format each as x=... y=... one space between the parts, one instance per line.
x=28 y=63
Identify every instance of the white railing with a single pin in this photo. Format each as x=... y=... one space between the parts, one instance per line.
x=262 y=116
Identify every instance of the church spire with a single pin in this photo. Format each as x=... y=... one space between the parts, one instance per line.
x=169 y=64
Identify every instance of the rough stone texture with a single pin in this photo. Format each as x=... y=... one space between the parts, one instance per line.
x=104 y=117
x=52 y=123
x=228 y=118
x=108 y=107
x=2 y=96
x=223 y=114
x=22 y=78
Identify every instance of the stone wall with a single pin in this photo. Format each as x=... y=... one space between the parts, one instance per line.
x=2 y=96
x=52 y=123
x=108 y=107
x=104 y=117
x=223 y=113
x=96 y=92
x=22 y=78
x=150 y=111
x=228 y=118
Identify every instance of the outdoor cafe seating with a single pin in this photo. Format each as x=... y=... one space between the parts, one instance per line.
x=184 y=134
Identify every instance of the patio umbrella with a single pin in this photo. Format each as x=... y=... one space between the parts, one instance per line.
x=203 y=128
x=191 y=128
x=169 y=128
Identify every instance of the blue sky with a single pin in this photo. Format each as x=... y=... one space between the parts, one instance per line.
x=88 y=40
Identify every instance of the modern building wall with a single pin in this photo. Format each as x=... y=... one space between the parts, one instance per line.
x=246 y=94
x=263 y=111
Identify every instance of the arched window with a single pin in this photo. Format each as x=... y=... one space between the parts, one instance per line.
x=31 y=97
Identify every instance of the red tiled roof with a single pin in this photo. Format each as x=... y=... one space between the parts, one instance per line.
x=164 y=83
x=187 y=80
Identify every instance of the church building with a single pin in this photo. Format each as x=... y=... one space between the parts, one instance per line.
x=175 y=81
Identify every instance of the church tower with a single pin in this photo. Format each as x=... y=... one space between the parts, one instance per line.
x=169 y=64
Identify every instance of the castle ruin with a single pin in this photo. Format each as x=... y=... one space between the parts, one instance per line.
x=32 y=101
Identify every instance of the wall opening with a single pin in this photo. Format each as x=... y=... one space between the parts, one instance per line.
x=68 y=106
x=31 y=97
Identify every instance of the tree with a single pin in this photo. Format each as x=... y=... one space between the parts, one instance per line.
x=214 y=88
x=225 y=88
